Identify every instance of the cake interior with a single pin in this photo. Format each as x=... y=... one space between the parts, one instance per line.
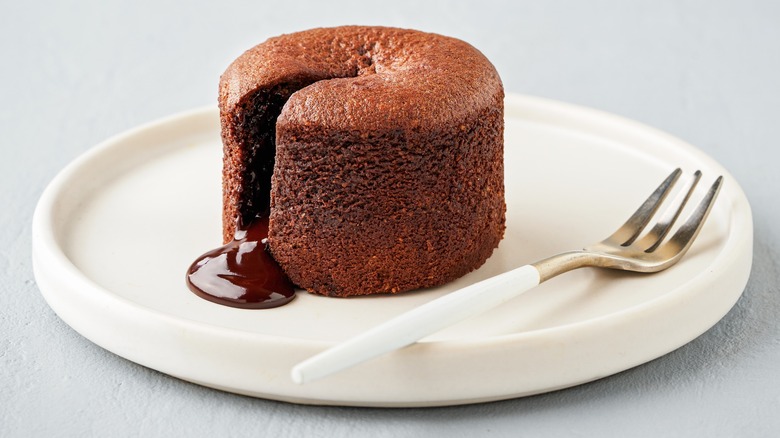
x=258 y=134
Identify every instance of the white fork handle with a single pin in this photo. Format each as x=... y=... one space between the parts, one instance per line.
x=414 y=325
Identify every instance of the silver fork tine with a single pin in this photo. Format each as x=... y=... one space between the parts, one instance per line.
x=684 y=237
x=629 y=231
x=656 y=235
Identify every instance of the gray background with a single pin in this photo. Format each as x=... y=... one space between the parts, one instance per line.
x=74 y=73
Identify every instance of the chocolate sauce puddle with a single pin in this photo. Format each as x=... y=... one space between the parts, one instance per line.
x=242 y=273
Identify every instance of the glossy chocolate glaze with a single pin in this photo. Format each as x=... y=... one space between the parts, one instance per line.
x=242 y=273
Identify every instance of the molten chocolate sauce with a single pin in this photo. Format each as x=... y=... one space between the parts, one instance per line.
x=242 y=273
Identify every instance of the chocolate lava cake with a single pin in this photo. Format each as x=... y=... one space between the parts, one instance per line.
x=379 y=152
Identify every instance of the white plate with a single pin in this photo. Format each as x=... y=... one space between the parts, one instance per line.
x=115 y=231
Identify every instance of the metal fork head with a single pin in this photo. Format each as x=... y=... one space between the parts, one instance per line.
x=636 y=246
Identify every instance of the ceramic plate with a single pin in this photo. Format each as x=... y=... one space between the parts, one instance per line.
x=115 y=231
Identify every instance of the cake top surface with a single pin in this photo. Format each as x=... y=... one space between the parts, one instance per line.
x=374 y=78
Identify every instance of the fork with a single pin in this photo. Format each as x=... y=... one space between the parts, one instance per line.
x=630 y=248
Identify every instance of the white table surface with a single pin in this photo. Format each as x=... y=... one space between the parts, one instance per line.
x=74 y=73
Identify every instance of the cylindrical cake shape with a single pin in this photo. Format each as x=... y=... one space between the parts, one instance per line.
x=388 y=166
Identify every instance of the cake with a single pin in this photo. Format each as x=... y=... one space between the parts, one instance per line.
x=379 y=152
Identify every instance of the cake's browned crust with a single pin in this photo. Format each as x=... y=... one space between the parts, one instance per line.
x=389 y=156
